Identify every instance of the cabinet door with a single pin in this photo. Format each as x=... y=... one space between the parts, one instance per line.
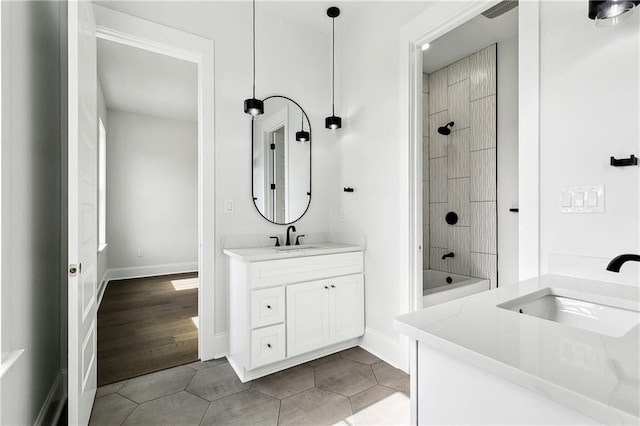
x=346 y=307
x=307 y=317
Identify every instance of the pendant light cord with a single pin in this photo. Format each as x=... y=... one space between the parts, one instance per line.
x=254 y=49
x=333 y=66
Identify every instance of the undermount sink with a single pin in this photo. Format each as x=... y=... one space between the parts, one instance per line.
x=600 y=314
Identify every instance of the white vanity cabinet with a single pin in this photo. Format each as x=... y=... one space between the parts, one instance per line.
x=289 y=310
x=323 y=312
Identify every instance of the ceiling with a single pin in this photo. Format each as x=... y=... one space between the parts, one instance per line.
x=468 y=38
x=136 y=80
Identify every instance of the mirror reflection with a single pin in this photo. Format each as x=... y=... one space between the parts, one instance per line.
x=281 y=161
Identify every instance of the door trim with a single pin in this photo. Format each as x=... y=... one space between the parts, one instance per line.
x=434 y=22
x=135 y=32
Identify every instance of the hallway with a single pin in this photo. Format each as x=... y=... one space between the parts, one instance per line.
x=146 y=325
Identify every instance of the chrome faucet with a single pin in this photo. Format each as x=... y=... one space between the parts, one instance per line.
x=450 y=254
x=290 y=228
x=617 y=262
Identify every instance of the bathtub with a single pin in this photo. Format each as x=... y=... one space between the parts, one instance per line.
x=437 y=289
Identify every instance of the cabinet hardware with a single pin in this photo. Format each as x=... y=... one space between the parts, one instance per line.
x=622 y=162
x=268 y=345
x=333 y=286
x=268 y=306
x=326 y=287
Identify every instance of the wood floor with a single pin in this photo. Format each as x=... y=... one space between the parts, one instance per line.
x=147 y=325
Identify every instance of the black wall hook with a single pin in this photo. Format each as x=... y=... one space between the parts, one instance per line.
x=348 y=189
x=631 y=161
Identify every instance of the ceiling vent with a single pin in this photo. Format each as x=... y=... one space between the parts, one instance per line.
x=500 y=8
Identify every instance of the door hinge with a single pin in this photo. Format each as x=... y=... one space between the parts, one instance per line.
x=73 y=270
x=273 y=146
x=273 y=186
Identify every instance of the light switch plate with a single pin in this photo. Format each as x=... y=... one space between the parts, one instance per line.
x=581 y=199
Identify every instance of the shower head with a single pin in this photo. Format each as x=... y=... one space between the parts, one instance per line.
x=445 y=130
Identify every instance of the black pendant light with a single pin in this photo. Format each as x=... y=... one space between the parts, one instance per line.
x=333 y=122
x=302 y=136
x=254 y=106
x=608 y=13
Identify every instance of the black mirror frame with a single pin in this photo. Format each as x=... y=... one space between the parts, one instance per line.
x=310 y=162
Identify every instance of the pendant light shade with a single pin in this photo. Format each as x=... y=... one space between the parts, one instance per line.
x=608 y=13
x=302 y=136
x=253 y=106
x=333 y=122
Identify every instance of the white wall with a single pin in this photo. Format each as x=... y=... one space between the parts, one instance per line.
x=367 y=97
x=589 y=112
x=152 y=198
x=507 y=80
x=292 y=59
x=31 y=205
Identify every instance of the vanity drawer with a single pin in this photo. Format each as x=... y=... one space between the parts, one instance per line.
x=308 y=268
x=267 y=345
x=267 y=307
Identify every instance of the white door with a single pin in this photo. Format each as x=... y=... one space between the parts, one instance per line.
x=307 y=317
x=83 y=224
x=346 y=307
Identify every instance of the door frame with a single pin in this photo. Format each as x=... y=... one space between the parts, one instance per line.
x=434 y=22
x=135 y=32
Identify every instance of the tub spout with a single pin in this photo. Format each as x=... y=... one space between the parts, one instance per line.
x=450 y=254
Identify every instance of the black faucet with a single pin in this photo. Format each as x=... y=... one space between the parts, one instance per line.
x=290 y=228
x=450 y=254
x=617 y=262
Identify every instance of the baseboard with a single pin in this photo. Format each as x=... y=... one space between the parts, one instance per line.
x=54 y=404
x=150 y=271
x=102 y=286
x=392 y=351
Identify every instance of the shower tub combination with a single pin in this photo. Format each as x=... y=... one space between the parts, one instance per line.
x=439 y=287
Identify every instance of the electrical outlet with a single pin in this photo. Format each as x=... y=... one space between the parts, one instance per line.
x=140 y=253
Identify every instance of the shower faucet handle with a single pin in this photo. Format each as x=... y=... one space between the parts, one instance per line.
x=277 y=240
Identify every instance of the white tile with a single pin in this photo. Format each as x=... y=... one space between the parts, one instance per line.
x=436 y=262
x=459 y=245
x=438 y=184
x=458 y=154
x=483 y=123
x=483 y=175
x=425 y=203
x=437 y=225
x=438 y=142
x=485 y=266
x=458 y=104
x=458 y=71
x=458 y=190
x=425 y=159
x=425 y=114
x=438 y=91
x=483 y=227
x=482 y=73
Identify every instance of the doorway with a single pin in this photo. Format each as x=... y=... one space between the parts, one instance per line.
x=147 y=211
x=86 y=23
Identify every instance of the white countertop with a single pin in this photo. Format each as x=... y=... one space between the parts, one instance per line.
x=594 y=374
x=254 y=254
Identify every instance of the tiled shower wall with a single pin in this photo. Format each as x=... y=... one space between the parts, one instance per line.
x=460 y=169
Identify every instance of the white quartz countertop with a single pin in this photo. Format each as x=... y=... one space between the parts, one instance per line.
x=253 y=254
x=592 y=373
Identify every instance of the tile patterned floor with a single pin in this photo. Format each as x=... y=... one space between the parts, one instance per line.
x=352 y=387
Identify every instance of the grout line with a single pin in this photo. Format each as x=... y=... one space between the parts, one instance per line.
x=205 y=413
x=484 y=97
x=482 y=252
x=279 y=410
x=482 y=149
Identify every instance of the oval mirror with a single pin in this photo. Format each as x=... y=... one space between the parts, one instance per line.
x=281 y=150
